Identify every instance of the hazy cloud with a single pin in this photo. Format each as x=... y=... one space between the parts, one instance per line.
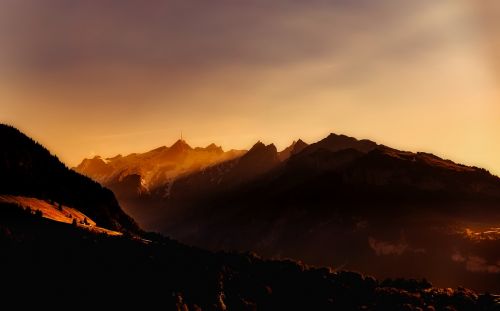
x=190 y=35
x=476 y=263
x=384 y=248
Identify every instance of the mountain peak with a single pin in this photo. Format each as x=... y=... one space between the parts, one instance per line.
x=95 y=165
x=258 y=144
x=262 y=153
x=335 y=142
x=214 y=148
x=296 y=147
x=261 y=147
x=180 y=144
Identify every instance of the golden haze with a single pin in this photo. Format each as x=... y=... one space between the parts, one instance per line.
x=421 y=76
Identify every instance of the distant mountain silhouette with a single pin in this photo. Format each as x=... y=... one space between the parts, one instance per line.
x=295 y=147
x=355 y=195
x=156 y=168
x=28 y=169
x=258 y=161
x=345 y=163
x=336 y=142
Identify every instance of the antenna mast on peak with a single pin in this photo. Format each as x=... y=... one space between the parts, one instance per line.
x=181 y=136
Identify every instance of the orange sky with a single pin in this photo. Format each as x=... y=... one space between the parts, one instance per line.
x=109 y=77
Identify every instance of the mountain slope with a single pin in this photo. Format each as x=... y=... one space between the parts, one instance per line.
x=339 y=201
x=371 y=205
x=335 y=164
x=132 y=177
x=224 y=177
x=58 y=213
x=156 y=167
x=28 y=169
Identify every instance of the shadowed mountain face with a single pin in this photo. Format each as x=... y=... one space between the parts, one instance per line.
x=339 y=202
x=28 y=169
x=295 y=147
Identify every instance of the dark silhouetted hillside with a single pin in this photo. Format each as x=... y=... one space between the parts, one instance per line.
x=28 y=169
x=48 y=263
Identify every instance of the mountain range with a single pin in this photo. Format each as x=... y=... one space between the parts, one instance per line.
x=338 y=202
x=156 y=167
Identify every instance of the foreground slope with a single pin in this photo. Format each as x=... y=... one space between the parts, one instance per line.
x=59 y=213
x=28 y=169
